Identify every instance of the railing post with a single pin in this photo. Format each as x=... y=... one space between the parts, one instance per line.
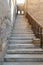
x=41 y=38
x=37 y=31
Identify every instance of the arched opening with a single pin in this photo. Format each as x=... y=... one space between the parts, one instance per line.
x=20 y=6
x=22 y=12
x=18 y=12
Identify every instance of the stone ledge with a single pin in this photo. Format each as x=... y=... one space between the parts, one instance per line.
x=36 y=41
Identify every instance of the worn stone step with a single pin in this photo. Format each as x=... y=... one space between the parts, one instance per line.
x=23 y=58
x=22 y=63
x=26 y=29
x=20 y=41
x=22 y=31
x=22 y=35
x=21 y=46
x=22 y=26
x=25 y=51
x=21 y=38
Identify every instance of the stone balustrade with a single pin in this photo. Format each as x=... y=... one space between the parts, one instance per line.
x=34 y=9
x=37 y=27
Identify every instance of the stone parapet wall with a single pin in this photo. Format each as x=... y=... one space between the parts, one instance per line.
x=5 y=24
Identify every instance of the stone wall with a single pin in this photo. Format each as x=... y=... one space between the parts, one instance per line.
x=5 y=24
x=7 y=18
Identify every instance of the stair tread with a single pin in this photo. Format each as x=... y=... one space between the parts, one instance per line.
x=21 y=40
x=23 y=63
x=24 y=56
x=25 y=50
x=20 y=46
x=22 y=32
x=23 y=35
x=12 y=38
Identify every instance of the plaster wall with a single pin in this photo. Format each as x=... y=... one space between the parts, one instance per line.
x=35 y=8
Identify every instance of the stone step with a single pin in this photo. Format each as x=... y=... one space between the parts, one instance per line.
x=20 y=46
x=23 y=27
x=22 y=35
x=17 y=25
x=20 y=41
x=21 y=38
x=23 y=58
x=22 y=30
x=25 y=51
x=23 y=63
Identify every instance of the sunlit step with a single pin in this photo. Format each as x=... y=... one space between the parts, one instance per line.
x=23 y=58
x=22 y=32
x=20 y=41
x=22 y=63
x=21 y=38
x=22 y=35
x=14 y=30
x=21 y=46
x=25 y=51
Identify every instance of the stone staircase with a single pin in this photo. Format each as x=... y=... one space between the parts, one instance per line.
x=21 y=50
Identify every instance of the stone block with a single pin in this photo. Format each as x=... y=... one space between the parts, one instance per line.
x=36 y=41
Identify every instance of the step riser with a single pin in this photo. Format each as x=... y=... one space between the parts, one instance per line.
x=20 y=46
x=20 y=41
x=19 y=35
x=22 y=33
x=24 y=60
x=20 y=38
x=24 y=52
x=22 y=30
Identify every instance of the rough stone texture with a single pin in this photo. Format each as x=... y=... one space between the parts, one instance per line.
x=5 y=24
